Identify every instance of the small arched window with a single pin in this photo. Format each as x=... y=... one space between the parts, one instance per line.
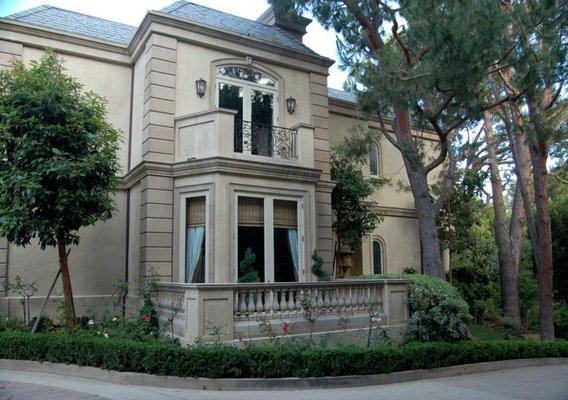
x=377 y=257
x=374 y=159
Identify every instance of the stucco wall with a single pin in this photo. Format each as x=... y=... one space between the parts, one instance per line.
x=99 y=261
x=96 y=264
x=194 y=62
x=399 y=229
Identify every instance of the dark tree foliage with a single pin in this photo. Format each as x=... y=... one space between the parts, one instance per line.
x=559 y=217
x=59 y=159
x=422 y=64
x=355 y=213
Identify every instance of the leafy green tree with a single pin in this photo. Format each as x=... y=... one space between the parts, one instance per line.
x=58 y=161
x=559 y=217
x=532 y=74
x=422 y=64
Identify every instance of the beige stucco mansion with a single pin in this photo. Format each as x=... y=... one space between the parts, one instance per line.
x=227 y=126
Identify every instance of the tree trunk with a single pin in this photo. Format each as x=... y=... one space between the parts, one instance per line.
x=66 y=281
x=543 y=248
x=427 y=214
x=508 y=264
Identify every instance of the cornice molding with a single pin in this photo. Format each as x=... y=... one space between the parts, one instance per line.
x=396 y=211
x=222 y=165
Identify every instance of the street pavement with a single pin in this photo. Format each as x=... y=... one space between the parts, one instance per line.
x=534 y=383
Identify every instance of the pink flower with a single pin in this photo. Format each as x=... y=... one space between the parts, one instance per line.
x=146 y=318
x=285 y=327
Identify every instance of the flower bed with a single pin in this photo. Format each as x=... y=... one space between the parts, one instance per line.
x=261 y=361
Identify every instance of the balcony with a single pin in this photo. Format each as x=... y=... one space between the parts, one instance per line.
x=234 y=310
x=216 y=133
x=265 y=140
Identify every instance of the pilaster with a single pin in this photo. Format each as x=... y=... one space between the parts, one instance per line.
x=156 y=200
x=319 y=107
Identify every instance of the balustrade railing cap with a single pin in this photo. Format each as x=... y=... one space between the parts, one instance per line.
x=276 y=285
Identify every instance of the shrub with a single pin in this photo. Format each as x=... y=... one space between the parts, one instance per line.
x=561 y=319
x=261 y=361
x=479 y=286
x=437 y=310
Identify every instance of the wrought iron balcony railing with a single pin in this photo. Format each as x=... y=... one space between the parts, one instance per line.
x=265 y=140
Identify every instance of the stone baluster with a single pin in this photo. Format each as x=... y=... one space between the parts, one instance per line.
x=259 y=307
x=348 y=298
x=291 y=303
x=360 y=298
x=367 y=297
x=298 y=297
x=236 y=304
x=319 y=298
x=250 y=301
x=283 y=302
x=268 y=300
x=333 y=299
x=242 y=303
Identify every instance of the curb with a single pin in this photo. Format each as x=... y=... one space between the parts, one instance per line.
x=250 y=384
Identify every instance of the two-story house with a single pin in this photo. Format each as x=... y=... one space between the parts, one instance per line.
x=227 y=125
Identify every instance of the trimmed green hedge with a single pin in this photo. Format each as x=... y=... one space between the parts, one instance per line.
x=258 y=361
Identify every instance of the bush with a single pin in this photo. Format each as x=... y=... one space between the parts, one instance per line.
x=479 y=286
x=261 y=361
x=561 y=319
x=437 y=310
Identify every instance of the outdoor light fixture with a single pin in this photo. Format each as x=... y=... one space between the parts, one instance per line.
x=291 y=104
x=200 y=86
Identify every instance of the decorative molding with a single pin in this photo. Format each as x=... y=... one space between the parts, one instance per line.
x=223 y=165
x=396 y=211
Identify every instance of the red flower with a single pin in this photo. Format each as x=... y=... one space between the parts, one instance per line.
x=285 y=327
x=146 y=318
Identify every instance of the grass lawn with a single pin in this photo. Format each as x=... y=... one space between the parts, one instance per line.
x=484 y=332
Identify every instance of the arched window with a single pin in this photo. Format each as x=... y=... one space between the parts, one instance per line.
x=377 y=257
x=254 y=96
x=374 y=159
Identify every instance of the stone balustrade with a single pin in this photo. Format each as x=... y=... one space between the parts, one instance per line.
x=234 y=310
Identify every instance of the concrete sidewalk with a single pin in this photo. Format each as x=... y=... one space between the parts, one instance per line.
x=534 y=383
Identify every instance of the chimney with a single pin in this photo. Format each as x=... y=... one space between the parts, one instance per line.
x=295 y=25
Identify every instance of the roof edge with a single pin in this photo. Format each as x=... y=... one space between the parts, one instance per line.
x=175 y=21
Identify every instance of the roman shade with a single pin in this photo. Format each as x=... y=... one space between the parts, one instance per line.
x=195 y=211
x=251 y=211
x=285 y=214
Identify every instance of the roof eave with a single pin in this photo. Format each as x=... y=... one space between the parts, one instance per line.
x=68 y=37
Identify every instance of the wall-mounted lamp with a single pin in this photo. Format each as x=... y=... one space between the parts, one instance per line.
x=291 y=104
x=200 y=86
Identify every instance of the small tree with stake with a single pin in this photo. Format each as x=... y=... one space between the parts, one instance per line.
x=58 y=160
x=355 y=215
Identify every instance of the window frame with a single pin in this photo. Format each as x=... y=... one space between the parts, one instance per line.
x=183 y=197
x=375 y=146
x=268 y=206
x=382 y=246
x=247 y=87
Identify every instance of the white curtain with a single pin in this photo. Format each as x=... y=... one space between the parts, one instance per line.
x=194 y=242
x=294 y=250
